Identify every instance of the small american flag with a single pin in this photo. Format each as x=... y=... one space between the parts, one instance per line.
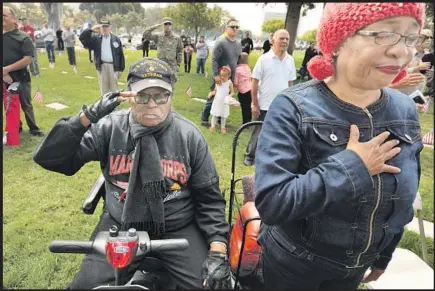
x=428 y=138
x=38 y=96
x=426 y=106
x=189 y=91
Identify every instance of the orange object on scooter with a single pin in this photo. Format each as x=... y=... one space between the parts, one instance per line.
x=251 y=249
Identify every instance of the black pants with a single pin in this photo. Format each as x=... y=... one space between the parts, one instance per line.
x=145 y=52
x=90 y=54
x=187 y=62
x=71 y=55
x=184 y=267
x=245 y=103
x=288 y=267
x=60 y=45
x=252 y=145
x=303 y=71
x=25 y=92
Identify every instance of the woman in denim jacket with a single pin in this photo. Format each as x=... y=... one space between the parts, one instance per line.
x=338 y=158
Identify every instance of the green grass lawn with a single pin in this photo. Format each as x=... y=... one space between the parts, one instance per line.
x=40 y=206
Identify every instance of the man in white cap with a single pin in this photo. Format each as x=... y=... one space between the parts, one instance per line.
x=108 y=55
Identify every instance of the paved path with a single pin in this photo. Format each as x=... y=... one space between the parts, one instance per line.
x=428 y=227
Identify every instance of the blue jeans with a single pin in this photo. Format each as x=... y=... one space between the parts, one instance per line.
x=200 y=64
x=49 y=47
x=287 y=266
x=207 y=107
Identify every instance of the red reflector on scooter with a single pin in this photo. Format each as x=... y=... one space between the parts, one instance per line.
x=121 y=252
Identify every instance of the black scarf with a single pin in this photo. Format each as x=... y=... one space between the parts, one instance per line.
x=143 y=208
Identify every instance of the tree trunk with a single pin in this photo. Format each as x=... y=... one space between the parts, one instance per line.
x=55 y=14
x=292 y=22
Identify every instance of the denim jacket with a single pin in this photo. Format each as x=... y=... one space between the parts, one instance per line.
x=314 y=194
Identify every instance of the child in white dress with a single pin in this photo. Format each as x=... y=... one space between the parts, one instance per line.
x=220 y=107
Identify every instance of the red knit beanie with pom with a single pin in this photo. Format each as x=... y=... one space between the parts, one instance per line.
x=341 y=20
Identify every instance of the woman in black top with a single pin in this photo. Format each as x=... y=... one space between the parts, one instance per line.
x=188 y=51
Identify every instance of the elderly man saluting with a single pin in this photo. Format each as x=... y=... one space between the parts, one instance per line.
x=160 y=178
x=169 y=46
x=108 y=54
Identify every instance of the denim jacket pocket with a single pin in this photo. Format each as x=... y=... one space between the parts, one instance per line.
x=406 y=133
x=324 y=139
x=333 y=135
x=283 y=247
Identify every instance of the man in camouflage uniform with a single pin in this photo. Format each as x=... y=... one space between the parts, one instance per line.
x=169 y=45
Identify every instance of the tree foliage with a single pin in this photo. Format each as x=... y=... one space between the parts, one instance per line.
x=292 y=20
x=429 y=15
x=101 y=9
x=195 y=16
x=54 y=11
x=132 y=20
x=152 y=15
x=116 y=21
x=309 y=35
x=34 y=13
x=294 y=11
x=272 y=25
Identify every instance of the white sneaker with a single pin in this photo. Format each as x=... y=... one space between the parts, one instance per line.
x=75 y=69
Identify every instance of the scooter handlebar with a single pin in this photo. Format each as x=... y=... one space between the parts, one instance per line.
x=71 y=246
x=98 y=246
x=166 y=245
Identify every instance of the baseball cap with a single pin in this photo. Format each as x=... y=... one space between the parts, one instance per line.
x=150 y=72
x=167 y=19
x=22 y=18
x=104 y=22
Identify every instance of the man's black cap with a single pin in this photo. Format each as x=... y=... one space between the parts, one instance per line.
x=150 y=72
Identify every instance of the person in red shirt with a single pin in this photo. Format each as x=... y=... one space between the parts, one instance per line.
x=30 y=30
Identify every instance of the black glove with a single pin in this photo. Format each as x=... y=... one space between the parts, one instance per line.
x=216 y=271
x=106 y=104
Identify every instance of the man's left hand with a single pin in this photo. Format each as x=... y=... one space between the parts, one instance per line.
x=216 y=271
x=373 y=275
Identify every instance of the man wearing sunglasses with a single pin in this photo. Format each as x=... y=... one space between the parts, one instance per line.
x=160 y=177
x=226 y=52
x=169 y=46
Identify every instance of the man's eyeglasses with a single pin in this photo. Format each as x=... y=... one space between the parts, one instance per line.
x=234 y=26
x=159 y=98
x=167 y=23
x=393 y=38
